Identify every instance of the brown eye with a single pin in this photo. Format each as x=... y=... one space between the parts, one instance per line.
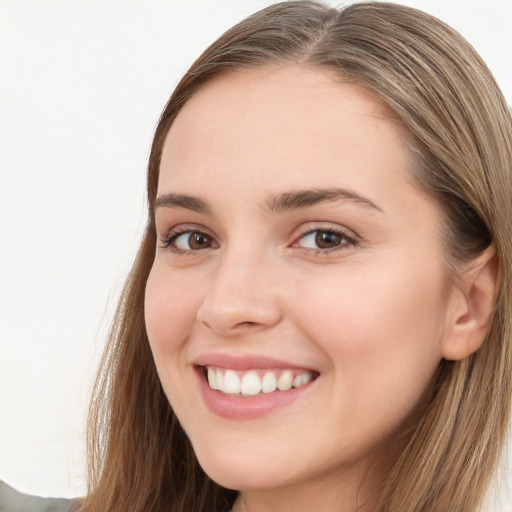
x=327 y=239
x=198 y=241
x=191 y=241
x=324 y=240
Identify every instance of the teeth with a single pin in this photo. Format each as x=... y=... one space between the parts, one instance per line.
x=285 y=381
x=212 y=379
x=231 y=383
x=268 y=383
x=305 y=378
x=250 y=383
x=219 y=380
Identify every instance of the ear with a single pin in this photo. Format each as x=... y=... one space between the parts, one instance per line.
x=472 y=307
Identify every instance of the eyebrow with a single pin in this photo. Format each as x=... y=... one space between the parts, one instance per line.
x=185 y=201
x=303 y=198
x=275 y=203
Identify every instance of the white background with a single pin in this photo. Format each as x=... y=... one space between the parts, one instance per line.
x=82 y=84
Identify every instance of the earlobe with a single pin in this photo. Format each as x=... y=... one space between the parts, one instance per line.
x=472 y=307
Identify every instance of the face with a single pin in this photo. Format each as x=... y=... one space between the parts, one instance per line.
x=300 y=271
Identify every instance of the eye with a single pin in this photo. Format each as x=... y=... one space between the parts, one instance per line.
x=325 y=240
x=189 y=241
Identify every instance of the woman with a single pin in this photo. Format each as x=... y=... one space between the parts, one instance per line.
x=318 y=316
x=325 y=273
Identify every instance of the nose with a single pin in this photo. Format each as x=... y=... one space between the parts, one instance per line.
x=241 y=295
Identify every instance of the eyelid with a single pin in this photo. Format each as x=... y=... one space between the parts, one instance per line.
x=352 y=238
x=183 y=227
x=165 y=242
x=310 y=226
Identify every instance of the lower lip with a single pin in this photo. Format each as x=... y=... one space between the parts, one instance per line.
x=246 y=407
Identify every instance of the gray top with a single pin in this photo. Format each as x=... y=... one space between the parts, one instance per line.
x=14 y=501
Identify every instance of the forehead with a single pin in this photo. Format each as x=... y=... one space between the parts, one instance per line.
x=293 y=95
x=273 y=124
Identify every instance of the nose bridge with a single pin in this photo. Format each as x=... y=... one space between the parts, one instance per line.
x=241 y=293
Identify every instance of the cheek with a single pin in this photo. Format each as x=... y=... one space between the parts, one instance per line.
x=372 y=311
x=382 y=334
x=170 y=309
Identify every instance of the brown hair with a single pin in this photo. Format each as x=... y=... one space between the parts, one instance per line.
x=443 y=93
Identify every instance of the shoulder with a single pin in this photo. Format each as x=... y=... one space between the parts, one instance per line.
x=14 y=501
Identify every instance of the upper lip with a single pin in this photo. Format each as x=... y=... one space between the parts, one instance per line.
x=245 y=362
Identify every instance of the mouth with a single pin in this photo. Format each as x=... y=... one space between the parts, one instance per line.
x=253 y=382
x=248 y=387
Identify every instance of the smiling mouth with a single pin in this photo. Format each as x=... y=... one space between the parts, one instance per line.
x=255 y=382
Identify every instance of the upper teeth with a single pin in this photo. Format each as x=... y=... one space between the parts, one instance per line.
x=250 y=383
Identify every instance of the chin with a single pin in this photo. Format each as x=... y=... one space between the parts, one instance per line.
x=243 y=478
x=241 y=471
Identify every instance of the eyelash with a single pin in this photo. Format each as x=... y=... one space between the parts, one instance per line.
x=349 y=241
x=167 y=243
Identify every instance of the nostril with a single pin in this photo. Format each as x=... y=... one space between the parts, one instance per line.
x=235 y=327
x=246 y=324
x=206 y=324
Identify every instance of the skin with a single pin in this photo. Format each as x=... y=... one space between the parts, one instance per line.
x=373 y=317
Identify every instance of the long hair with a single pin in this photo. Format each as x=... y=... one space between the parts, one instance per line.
x=461 y=132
